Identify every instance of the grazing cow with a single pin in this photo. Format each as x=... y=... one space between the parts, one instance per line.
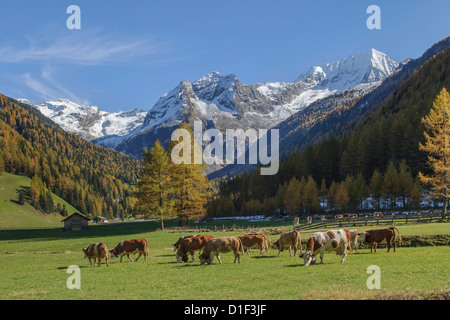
x=308 y=220
x=254 y=240
x=353 y=243
x=217 y=246
x=296 y=222
x=373 y=237
x=176 y=245
x=127 y=247
x=288 y=240
x=339 y=217
x=96 y=251
x=190 y=245
x=347 y=215
x=378 y=215
x=332 y=240
x=266 y=237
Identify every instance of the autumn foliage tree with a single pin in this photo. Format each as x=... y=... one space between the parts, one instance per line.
x=437 y=146
x=169 y=189
x=191 y=186
x=156 y=185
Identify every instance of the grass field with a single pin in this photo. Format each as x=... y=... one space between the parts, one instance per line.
x=34 y=265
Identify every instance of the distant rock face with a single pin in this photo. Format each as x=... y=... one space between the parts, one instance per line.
x=223 y=102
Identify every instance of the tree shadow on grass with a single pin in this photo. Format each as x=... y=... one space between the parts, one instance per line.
x=81 y=267
x=262 y=257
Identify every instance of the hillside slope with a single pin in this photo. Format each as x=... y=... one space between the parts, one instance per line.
x=16 y=216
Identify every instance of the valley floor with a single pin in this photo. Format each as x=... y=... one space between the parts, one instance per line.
x=34 y=266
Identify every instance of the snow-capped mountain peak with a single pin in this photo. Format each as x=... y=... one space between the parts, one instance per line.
x=222 y=101
x=89 y=122
x=367 y=67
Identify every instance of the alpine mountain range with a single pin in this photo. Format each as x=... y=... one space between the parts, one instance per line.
x=223 y=102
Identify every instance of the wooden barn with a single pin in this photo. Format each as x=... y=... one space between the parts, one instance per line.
x=75 y=222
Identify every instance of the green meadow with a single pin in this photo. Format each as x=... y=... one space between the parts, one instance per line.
x=16 y=216
x=34 y=266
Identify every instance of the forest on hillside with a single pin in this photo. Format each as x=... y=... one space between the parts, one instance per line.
x=95 y=180
x=378 y=160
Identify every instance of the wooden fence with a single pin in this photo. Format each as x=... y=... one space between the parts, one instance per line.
x=406 y=218
x=223 y=228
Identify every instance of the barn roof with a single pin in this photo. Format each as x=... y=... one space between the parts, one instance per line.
x=76 y=213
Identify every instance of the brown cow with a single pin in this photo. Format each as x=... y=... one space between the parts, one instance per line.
x=288 y=240
x=265 y=235
x=176 y=245
x=127 y=247
x=190 y=245
x=97 y=251
x=254 y=240
x=295 y=222
x=338 y=217
x=373 y=237
x=222 y=245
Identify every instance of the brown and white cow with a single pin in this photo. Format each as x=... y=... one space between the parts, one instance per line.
x=353 y=243
x=127 y=247
x=190 y=245
x=289 y=240
x=378 y=214
x=332 y=240
x=254 y=241
x=217 y=246
x=373 y=237
x=96 y=251
x=309 y=220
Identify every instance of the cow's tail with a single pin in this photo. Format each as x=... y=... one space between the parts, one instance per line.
x=298 y=240
x=241 y=246
x=399 y=236
x=146 y=250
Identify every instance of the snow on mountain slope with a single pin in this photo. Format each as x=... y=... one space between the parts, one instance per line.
x=370 y=66
x=90 y=122
x=222 y=101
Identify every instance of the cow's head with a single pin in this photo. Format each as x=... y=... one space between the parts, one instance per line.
x=363 y=236
x=85 y=252
x=275 y=245
x=181 y=256
x=204 y=258
x=307 y=257
x=113 y=253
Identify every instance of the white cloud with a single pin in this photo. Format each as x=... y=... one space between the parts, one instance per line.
x=47 y=87
x=82 y=49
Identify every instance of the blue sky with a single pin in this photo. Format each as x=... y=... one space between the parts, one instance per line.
x=129 y=53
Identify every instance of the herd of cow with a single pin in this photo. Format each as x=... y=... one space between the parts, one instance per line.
x=338 y=241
